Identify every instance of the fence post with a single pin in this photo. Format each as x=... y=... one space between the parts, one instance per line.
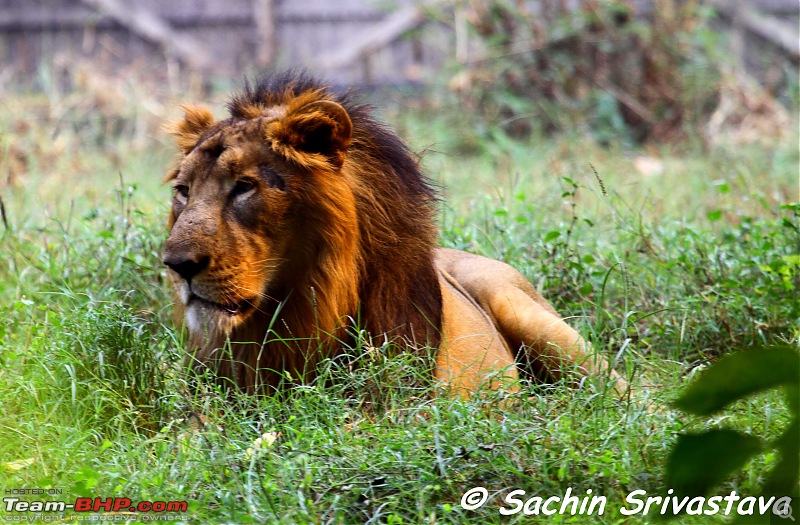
x=264 y=15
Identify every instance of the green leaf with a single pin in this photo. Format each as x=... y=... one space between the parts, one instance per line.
x=85 y=480
x=786 y=223
x=792 y=260
x=738 y=375
x=700 y=462
x=551 y=235
x=783 y=479
x=714 y=215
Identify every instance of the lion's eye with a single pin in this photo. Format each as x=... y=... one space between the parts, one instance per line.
x=182 y=190
x=243 y=186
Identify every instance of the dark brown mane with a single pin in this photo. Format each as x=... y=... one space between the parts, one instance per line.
x=399 y=297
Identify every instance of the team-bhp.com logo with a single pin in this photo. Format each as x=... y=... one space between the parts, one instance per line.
x=18 y=505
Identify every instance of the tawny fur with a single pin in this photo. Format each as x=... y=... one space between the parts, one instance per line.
x=338 y=232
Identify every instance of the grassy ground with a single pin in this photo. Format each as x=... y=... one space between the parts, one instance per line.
x=663 y=271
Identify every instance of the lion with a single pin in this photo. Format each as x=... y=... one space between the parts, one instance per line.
x=300 y=218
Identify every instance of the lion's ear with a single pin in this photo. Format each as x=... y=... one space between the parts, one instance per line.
x=187 y=132
x=318 y=128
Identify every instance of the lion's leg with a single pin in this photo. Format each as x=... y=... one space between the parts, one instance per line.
x=551 y=344
x=524 y=318
x=472 y=353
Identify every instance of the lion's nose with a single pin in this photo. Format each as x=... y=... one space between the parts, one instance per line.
x=187 y=266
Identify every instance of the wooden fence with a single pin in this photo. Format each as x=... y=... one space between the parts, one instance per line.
x=350 y=41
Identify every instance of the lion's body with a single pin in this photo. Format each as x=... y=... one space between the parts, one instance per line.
x=300 y=217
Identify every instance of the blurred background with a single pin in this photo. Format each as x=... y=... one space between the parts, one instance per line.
x=458 y=76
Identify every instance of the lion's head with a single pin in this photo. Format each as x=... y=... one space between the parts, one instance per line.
x=292 y=219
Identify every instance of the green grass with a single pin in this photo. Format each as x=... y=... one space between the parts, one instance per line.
x=662 y=273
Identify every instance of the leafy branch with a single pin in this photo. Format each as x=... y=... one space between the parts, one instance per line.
x=700 y=461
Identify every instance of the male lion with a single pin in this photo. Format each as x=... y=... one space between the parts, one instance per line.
x=300 y=216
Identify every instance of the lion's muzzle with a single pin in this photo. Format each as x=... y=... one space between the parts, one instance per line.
x=187 y=265
x=186 y=251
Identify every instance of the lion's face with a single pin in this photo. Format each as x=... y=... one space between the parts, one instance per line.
x=230 y=210
x=238 y=219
